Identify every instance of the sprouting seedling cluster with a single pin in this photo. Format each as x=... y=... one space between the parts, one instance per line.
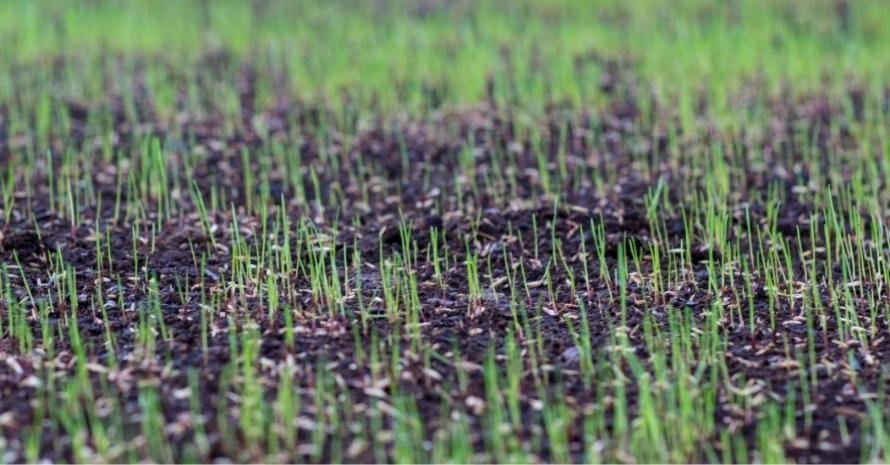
x=496 y=244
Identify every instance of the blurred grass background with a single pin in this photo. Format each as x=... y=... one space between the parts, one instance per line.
x=411 y=55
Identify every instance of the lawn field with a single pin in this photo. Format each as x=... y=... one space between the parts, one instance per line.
x=445 y=231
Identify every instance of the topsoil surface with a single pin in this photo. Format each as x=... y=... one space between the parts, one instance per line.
x=410 y=169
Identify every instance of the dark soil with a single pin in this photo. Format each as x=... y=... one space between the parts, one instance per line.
x=409 y=169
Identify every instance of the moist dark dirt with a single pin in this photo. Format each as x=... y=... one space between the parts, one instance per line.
x=408 y=167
